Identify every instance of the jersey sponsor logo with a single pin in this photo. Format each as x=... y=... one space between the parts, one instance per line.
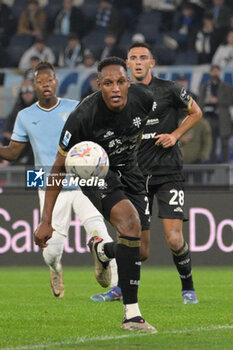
x=178 y=209
x=114 y=143
x=66 y=138
x=137 y=122
x=154 y=106
x=35 y=178
x=108 y=134
x=152 y=121
x=148 y=136
x=35 y=123
x=121 y=149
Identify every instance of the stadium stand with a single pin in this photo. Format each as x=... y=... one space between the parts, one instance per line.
x=160 y=23
x=19 y=43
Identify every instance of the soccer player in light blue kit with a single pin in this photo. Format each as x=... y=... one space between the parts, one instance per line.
x=41 y=125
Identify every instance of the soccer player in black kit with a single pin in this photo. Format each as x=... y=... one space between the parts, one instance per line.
x=160 y=160
x=114 y=117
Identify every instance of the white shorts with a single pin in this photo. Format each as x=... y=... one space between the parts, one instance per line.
x=66 y=201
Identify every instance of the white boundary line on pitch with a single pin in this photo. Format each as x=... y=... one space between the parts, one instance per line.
x=85 y=340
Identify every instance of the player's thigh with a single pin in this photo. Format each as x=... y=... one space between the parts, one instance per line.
x=83 y=207
x=62 y=211
x=141 y=203
x=171 y=201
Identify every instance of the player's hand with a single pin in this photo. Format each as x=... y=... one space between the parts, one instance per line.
x=165 y=140
x=42 y=234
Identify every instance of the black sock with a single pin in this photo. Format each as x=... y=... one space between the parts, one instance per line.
x=182 y=260
x=110 y=249
x=129 y=264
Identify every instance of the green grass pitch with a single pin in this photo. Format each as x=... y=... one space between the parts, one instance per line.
x=31 y=318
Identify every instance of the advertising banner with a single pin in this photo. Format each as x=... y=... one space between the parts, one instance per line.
x=209 y=231
x=74 y=82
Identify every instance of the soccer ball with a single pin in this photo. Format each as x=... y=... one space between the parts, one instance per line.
x=87 y=159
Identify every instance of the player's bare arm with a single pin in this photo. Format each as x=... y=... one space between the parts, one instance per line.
x=194 y=114
x=45 y=229
x=12 y=151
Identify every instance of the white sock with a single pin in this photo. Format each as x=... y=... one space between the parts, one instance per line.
x=96 y=227
x=114 y=271
x=131 y=310
x=53 y=253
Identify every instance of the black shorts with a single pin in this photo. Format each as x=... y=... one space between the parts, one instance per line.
x=119 y=186
x=170 y=199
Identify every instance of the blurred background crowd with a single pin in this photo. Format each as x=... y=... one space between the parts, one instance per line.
x=70 y=34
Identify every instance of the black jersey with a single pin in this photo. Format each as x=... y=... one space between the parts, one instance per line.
x=163 y=163
x=116 y=132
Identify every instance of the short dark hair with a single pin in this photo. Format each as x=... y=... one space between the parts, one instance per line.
x=108 y=61
x=145 y=45
x=44 y=65
x=215 y=66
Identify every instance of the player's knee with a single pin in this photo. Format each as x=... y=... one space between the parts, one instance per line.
x=130 y=225
x=175 y=239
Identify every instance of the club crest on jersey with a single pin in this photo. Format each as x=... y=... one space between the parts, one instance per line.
x=137 y=122
x=64 y=115
x=66 y=138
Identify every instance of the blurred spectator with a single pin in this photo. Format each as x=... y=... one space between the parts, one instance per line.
x=138 y=38
x=93 y=85
x=3 y=57
x=110 y=48
x=215 y=99
x=224 y=54
x=89 y=60
x=7 y=25
x=70 y=19
x=167 y=9
x=196 y=144
x=29 y=74
x=107 y=18
x=73 y=53
x=38 y=49
x=32 y=20
x=25 y=99
x=221 y=13
x=185 y=26
x=128 y=11
x=207 y=40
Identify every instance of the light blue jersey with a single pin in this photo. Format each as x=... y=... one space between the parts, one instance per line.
x=42 y=128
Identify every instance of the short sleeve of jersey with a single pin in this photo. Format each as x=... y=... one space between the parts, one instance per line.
x=19 y=133
x=181 y=97
x=75 y=130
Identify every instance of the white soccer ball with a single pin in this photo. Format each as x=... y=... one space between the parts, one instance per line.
x=87 y=159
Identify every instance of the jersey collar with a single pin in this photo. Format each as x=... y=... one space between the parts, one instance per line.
x=49 y=109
